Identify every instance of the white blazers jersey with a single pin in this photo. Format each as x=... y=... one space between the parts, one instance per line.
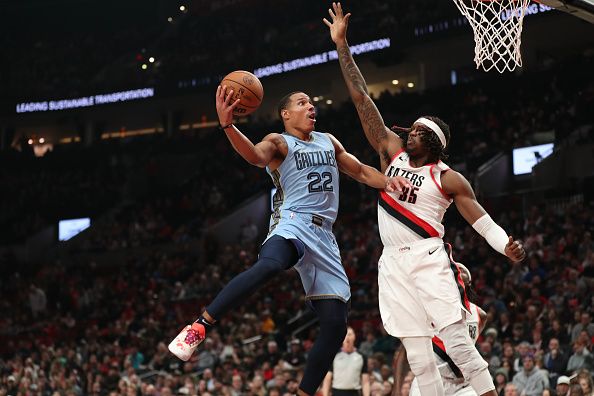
x=447 y=368
x=417 y=212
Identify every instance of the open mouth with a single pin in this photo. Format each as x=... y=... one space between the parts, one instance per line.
x=312 y=116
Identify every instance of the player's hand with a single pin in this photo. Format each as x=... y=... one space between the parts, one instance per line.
x=224 y=105
x=397 y=183
x=339 y=24
x=514 y=250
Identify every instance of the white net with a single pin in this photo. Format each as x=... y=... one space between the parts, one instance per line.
x=497 y=26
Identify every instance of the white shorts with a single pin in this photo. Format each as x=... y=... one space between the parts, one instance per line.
x=420 y=289
x=450 y=389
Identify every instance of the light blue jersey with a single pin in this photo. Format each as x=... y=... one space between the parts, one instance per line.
x=307 y=181
x=305 y=206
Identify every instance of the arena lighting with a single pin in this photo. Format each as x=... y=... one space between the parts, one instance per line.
x=329 y=101
x=41 y=140
x=410 y=85
x=152 y=59
x=30 y=141
x=395 y=82
x=182 y=8
x=87 y=101
x=316 y=99
x=318 y=59
x=144 y=66
x=170 y=19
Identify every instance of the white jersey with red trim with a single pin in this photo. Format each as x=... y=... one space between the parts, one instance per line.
x=417 y=212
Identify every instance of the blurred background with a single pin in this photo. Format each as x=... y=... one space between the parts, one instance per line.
x=123 y=210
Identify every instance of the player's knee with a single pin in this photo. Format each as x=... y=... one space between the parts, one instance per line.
x=268 y=266
x=482 y=382
x=461 y=349
x=419 y=362
x=419 y=355
x=278 y=254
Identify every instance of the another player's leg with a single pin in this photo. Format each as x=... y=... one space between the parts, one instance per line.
x=332 y=314
x=276 y=255
x=421 y=359
x=461 y=349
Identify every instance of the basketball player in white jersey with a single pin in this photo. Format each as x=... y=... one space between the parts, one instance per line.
x=418 y=288
x=454 y=383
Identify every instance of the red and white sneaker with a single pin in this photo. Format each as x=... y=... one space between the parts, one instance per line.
x=187 y=340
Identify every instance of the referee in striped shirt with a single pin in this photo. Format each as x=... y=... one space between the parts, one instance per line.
x=348 y=374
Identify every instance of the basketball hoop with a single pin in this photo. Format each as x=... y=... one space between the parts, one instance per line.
x=497 y=26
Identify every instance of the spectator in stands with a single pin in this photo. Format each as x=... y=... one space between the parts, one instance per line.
x=555 y=360
x=584 y=324
x=500 y=381
x=511 y=390
x=562 y=388
x=530 y=381
x=295 y=356
x=585 y=380
x=581 y=358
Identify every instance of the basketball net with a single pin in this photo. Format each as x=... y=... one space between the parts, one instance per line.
x=497 y=26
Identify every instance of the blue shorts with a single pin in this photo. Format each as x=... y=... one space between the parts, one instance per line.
x=319 y=265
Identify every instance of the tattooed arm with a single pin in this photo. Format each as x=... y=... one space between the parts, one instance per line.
x=381 y=138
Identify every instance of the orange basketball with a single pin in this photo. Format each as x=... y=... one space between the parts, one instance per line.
x=247 y=88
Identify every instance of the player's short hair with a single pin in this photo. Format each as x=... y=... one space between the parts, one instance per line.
x=284 y=102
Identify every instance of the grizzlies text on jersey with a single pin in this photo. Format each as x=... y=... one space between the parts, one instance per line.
x=305 y=206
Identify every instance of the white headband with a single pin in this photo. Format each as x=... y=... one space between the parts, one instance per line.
x=435 y=128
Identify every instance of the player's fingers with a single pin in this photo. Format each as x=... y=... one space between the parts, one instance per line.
x=218 y=91
x=332 y=15
x=327 y=22
x=229 y=96
x=346 y=18
x=338 y=9
x=234 y=104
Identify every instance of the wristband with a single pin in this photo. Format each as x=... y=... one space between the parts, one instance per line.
x=225 y=127
x=494 y=234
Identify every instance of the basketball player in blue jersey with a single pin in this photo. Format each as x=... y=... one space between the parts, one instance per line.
x=418 y=288
x=304 y=167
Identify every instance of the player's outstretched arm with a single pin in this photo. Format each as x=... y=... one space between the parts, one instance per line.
x=381 y=138
x=456 y=185
x=260 y=154
x=349 y=164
